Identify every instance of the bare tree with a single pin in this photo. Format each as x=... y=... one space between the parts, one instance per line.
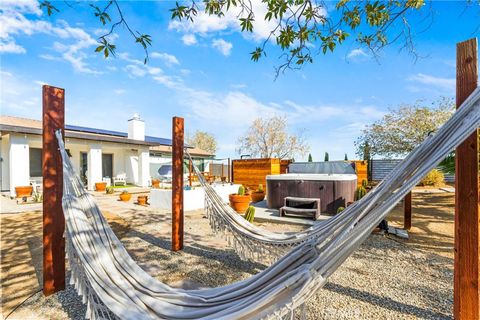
x=269 y=138
x=202 y=140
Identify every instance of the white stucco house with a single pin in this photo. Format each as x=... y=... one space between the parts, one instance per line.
x=97 y=154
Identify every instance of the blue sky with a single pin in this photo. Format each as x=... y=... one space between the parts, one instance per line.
x=203 y=72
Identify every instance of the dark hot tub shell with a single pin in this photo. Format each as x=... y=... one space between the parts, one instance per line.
x=334 y=191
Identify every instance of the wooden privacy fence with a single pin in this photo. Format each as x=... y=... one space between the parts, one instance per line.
x=361 y=169
x=252 y=172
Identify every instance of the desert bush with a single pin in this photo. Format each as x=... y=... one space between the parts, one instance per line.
x=434 y=178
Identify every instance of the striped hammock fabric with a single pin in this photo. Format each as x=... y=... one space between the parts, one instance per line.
x=114 y=286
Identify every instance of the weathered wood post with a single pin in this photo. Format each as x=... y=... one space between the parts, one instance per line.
x=467 y=205
x=407 y=211
x=229 y=171
x=52 y=171
x=177 y=183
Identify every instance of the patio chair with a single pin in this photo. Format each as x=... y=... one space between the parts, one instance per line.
x=120 y=179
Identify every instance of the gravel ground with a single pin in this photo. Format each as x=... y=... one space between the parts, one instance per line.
x=385 y=279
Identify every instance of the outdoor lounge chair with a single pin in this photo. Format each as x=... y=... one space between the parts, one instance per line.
x=120 y=179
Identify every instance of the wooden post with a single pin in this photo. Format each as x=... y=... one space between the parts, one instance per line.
x=229 y=171
x=53 y=219
x=407 y=211
x=467 y=206
x=177 y=183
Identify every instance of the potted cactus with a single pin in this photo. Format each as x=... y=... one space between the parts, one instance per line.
x=250 y=214
x=125 y=196
x=259 y=194
x=239 y=201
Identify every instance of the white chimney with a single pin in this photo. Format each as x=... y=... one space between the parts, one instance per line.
x=136 y=128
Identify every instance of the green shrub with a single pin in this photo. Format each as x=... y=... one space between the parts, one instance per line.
x=250 y=214
x=37 y=197
x=110 y=190
x=340 y=209
x=241 y=191
x=260 y=188
x=360 y=193
x=434 y=178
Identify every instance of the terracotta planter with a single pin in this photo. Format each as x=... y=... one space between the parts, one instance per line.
x=100 y=186
x=142 y=200
x=258 y=196
x=125 y=196
x=239 y=203
x=23 y=191
x=156 y=184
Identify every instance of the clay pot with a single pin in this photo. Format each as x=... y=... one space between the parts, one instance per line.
x=142 y=200
x=156 y=184
x=125 y=196
x=100 y=186
x=23 y=191
x=258 y=196
x=239 y=203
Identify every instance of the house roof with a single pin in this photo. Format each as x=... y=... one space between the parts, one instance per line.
x=194 y=152
x=32 y=126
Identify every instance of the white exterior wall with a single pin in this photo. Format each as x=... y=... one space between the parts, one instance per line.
x=19 y=161
x=94 y=171
x=131 y=166
x=144 y=167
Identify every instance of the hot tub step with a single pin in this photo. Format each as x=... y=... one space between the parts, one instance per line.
x=314 y=213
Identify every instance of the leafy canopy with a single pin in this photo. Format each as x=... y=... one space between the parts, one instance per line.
x=402 y=129
x=300 y=28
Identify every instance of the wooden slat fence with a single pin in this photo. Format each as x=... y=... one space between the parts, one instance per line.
x=252 y=172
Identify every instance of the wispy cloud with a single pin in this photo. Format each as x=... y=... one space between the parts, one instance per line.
x=168 y=59
x=189 y=39
x=224 y=47
x=357 y=55
x=444 y=84
x=14 y=22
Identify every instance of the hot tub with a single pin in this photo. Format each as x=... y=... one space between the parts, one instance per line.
x=333 y=190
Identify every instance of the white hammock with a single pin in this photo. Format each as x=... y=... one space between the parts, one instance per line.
x=113 y=285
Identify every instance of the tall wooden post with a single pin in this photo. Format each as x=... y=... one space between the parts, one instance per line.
x=229 y=172
x=177 y=183
x=53 y=219
x=467 y=205
x=407 y=211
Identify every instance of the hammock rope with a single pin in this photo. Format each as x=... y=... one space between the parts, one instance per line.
x=114 y=286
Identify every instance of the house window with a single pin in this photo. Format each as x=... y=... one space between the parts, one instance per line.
x=35 y=162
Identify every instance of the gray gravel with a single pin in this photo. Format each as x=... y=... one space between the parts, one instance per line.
x=384 y=279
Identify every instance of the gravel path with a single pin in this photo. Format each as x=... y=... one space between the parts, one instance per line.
x=385 y=279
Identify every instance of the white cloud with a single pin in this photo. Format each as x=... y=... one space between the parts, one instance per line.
x=14 y=22
x=223 y=46
x=19 y=96
x=357 y=53
x=169 y=59
x=189 y=39
x=10 y=46
x=119 y=91
x=204 y=23
x=445 y=84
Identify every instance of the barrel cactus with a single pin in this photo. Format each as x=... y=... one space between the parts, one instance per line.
x=241 y=191
x=360 y=193
x=340 y=209
x=260 y=188
x=250 y=214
